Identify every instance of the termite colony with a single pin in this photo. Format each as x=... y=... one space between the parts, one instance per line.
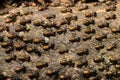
x=60 y=40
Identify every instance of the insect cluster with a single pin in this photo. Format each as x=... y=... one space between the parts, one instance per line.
x=60 y=42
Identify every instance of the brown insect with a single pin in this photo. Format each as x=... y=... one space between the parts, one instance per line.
x=9 y=49
x=20 y=69
x=86 y=37
x=74 y=39
x=64 y=62
x=90 y=14
x=33 y=74
x=65 y=10
x=113 y=60
x=41 y=64
x=62 y=51
x=19 y=28
x=62 y=76
x=117 y=66
x=83 y=7
x=99 y=46
x=5 y=44
x=98 y=59
x=11 y=36
x=89 y=30
x=48 y=33
x=36 y=40
x=29 y=49
x=9 y=58
x=60 y=31
x=101 y=67
x=82 y=52
x=36 y=22
x=24 y=58
x=27 y=39
x=1 y=28
x=23 y=21
x=100 y=36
